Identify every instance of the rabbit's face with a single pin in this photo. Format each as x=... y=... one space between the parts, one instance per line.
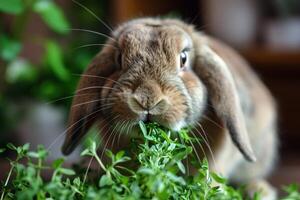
x=150 y=70
x=155 y=81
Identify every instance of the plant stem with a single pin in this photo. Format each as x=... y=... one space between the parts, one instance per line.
x=100 y=162
x=6 y=181
x=39 y=167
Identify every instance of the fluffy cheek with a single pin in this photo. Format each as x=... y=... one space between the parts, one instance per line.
x=120 y=106
x=113 y=101
x=174 y=116
x=197 y=93
x=117 y=109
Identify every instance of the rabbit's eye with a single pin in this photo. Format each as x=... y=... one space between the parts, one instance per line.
x=183 y=59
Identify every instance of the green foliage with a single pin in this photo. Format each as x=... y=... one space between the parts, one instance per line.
x=9 y=48
x=159 y=173
x=52 y=15
x=20 y=70
x=12 y=6
x=51 y=76
x=54 y=57
x=292 y=191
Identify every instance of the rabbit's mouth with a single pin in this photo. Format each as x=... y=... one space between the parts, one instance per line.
x=131 y=128
x=127 y=114
x=127 y=122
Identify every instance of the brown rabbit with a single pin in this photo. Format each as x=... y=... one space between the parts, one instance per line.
x=163 y=70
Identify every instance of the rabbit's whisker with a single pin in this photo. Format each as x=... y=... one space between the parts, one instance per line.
x=108 y=135
x=120 y=131
x=93 y=14
x=207 y=144
x=71 y=126
x=96 y=76
x=91 y=45
x=96 y=87
x=93 y=101
x=103 y=149
x=94 y=32
x=76 y=94
x=90 y=162
x=200 y=145
x=68 y=97
x=204 y=133
x=198 y=142
x=108 y=139
x=212 y=121
x=131 y=126
x=195 y=150
x=126 y=132
x=76 y=140
x=109 y=129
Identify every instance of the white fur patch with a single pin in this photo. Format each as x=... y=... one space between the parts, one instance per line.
x=179 y=125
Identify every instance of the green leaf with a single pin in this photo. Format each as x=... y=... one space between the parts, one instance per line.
x=257 y=196
x=177 y=179
x=12 y=6
x=9 y=48
x=110 y=154
x=66 y=171
x=52 y=15
x=48 y=89
x=11 y=146
x=2 y=150
x=218 y=178
x=147 y=171
x=33 y=154
x=105 y=181
x=77 y=181
x=86 y=152
x=42 y=152
x=181 y=166
x=20 y=70
x=25 y=147
x=143 y=128
x=182 y=154
x=119 y=155
x=165 y=136
x=54 y=58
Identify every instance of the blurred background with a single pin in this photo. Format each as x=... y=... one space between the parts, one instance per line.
x=43 y=53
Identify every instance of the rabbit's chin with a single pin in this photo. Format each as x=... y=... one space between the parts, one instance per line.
x=177 y=126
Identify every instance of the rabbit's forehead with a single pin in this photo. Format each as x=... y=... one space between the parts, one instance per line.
x=141 y=36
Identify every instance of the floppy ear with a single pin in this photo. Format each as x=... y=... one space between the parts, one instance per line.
x=215 y=74
x=86 y=106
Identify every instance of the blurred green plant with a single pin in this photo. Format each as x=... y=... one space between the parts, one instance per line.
x=55 y=75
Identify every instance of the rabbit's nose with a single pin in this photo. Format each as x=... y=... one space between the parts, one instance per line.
x=147 y=106
x=148 y=99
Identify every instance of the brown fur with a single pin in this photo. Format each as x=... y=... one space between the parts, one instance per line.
x=216 y=92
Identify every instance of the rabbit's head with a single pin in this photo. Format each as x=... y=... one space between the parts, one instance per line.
x=155 y=70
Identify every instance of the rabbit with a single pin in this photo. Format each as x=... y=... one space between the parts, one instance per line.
x=165 y=71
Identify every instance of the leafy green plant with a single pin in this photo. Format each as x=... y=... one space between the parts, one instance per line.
x=52 y=75
x=159 y=173
x=292 y=191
